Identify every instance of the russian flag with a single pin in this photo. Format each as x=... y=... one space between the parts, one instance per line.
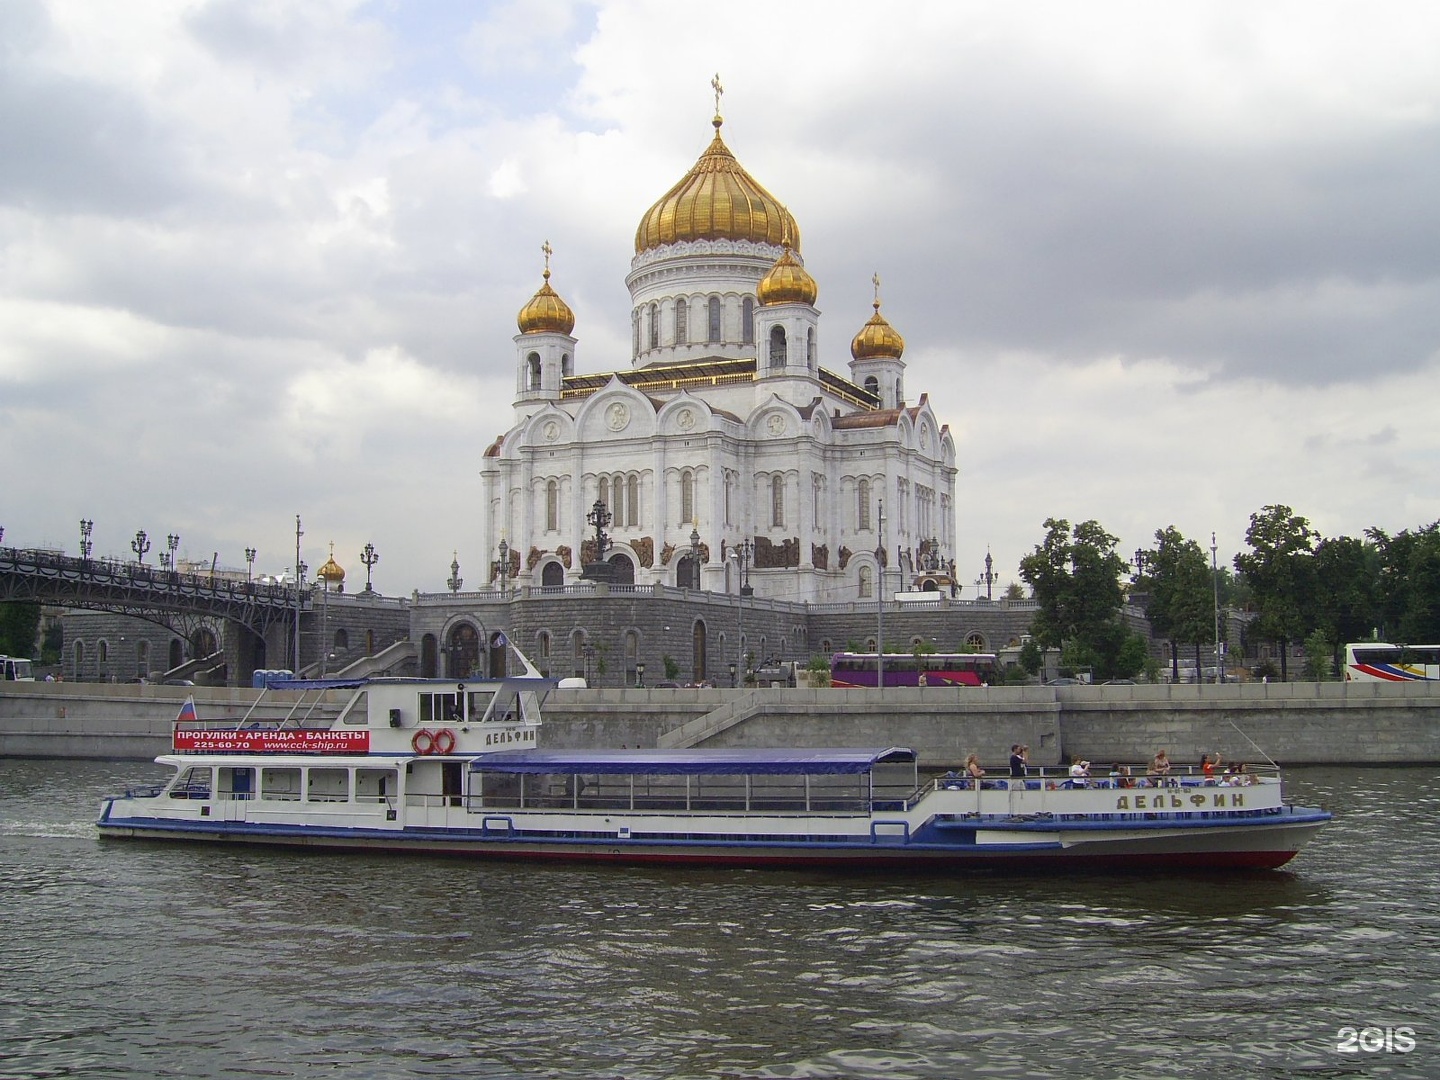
x=187 y=712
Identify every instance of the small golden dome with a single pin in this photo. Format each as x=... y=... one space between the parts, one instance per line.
x=546 y=313
x=716 y=200
x=787 y=283
x=877 y=339
x=332 y=571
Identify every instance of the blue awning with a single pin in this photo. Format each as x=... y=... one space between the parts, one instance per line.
x=797 y=762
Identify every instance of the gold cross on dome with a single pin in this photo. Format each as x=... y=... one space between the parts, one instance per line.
x=876 y=280
x=715 y=85
x=548 y=250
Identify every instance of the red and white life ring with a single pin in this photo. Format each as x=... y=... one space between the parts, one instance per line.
x=443 y=742
x=423 y=741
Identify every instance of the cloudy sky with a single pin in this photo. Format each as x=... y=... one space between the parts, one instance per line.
x=1155 y=264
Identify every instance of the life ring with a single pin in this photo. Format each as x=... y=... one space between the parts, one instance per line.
x=443 y=742
x=423 y=741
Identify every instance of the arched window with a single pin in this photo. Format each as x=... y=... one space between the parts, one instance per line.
x=632 y=654
x=617 y=509
x=604 y=493
x=866 y=578
x=975 y=642
x=532 y=362
x=654 y=326
x=747 y=321
x=632 y=501
x=566 y=367
x=862 y=498
x=142 y=658
x=635 y=331
x=552 y=506
x=872 y=384
x=810 y=349
x=342 y=639
x=542 y=647
x=687 y=496
x=777 y=501
x=682 y=322
x=899 y=395
x=714 y=327
x=777 y=347
x=79 y=659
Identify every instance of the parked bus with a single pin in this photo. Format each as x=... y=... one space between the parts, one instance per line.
x=14 y=669
x=1375 y=661
x=904 y=669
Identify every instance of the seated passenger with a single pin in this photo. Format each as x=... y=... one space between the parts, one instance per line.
x=1159 y=768
x=1079 y=773
x=974 y=771
x=1120 y=776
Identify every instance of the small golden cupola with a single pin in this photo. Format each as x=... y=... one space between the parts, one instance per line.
x=332 y=573
x=787 y=282
x=877 y=339
x=546 y=313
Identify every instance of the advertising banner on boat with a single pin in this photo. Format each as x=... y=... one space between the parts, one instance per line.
x=275 y=742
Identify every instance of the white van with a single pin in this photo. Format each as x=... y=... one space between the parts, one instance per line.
x=13 y=669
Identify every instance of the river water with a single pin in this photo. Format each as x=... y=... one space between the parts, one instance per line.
x=127 y=959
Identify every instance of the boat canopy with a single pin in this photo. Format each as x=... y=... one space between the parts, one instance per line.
x=791 y=761
x=516 y=682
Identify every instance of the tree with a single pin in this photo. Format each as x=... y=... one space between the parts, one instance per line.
x=1075 y=578
x=1182 y=594
x=1280 y=571
x=19 y=626
x=1347 y=575
x=1408 y=585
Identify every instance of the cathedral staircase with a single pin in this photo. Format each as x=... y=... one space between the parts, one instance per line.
x=735 y=711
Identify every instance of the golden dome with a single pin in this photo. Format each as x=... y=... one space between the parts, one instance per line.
x=716 y=200
x=877 y=339
x=787 y=283
x=331 y=571
x=546 y=313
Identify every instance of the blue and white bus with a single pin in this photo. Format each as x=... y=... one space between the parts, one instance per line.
x=1377 y=661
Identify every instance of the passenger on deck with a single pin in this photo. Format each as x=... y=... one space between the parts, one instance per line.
x=1120 y=776
x=1019 y=759
x=974 y=771
x=1208 y=765
x=1079 y=773
x=1159 y=768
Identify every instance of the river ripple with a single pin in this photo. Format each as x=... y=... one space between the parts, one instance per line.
x=126 y=959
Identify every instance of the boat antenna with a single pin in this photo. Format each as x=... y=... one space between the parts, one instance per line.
x=1253 y=743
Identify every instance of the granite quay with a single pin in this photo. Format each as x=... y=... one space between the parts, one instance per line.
x=1293 y=723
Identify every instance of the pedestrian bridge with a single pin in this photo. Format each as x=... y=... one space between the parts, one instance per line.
x=160 y=595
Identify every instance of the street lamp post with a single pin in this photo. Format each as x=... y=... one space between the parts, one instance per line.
x=369 y=558
x=743 y=552
x=695 y=557
x=171 y=543
x=86 y=526
x=300 y=570
x=880 y=602
x=1215 y=580
x=455 y=579
x=140 y=545
x=640 y=675
x=249 y=564
x=504 y=567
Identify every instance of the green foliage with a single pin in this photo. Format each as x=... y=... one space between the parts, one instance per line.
x=1075 y=576
x=1319 y=657
x=1408 y=587
x=1280 y=571
x=19 y=627
x=1182 y=591
x=52 y=643
x=672 y=667
x=1014 y=591
x=1031 y=658
x=818 y=670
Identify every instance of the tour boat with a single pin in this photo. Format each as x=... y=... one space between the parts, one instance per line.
x=448 y=768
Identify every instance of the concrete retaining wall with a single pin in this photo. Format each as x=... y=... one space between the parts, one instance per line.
x=1294 y=723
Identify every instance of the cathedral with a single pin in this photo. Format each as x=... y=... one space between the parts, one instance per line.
x=726 y=456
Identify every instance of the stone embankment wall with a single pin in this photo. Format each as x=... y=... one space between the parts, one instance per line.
x=1293 y=723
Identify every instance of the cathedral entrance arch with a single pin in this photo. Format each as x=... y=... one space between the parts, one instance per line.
x=429 y=657
x=687 y=572
x=462 y=651
x=202 y=643
x=552 y=576
x=497 y=656
x=624 y=573
x=697 y=661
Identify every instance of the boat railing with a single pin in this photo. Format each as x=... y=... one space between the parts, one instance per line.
x=1058 y=778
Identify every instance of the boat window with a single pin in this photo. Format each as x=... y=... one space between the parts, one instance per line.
x=192 y=783
x=236 y=783
x=375 y=785
x=439 y=708
x=276 y=783
x=328 y=785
